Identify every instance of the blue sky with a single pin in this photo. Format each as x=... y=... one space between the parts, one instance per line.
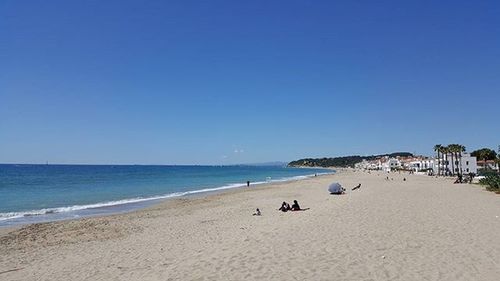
x=221 y=82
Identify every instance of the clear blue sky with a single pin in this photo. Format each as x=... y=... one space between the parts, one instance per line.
x=221 y=82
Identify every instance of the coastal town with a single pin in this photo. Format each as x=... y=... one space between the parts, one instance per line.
x=422 y=164
x=453 y=160
x=450 y=160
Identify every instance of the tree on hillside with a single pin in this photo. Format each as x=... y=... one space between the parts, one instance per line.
x=345 y=161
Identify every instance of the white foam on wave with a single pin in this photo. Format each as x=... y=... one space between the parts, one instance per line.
x=46 y=211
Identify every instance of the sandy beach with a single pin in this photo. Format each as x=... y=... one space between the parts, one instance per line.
x=423 y=228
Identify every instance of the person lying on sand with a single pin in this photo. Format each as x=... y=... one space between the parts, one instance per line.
x=357 y=187
x=257 y=212
x=284 y=207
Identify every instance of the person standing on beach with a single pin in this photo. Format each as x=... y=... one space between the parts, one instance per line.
x=248 y=183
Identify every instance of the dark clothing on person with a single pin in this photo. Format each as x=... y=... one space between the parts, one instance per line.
x=295 y=206
x=285 y=207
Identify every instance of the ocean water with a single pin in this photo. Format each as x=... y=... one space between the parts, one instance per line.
x=36 y=193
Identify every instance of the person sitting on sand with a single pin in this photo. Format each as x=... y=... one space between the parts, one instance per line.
x=284 y=207
x=357 y=187
x=257 y=212
x=295 y=206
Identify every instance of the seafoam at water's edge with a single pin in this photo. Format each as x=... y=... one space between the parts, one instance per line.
x=118 y=206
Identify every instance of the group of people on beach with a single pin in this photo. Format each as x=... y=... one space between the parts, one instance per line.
x=285 y=207
x=468 y=179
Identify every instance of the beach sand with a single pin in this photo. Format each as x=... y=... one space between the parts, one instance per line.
x=420 y=229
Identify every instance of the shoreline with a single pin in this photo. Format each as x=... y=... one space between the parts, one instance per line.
x=167 y=203
x=124 y=206
x=424 y=228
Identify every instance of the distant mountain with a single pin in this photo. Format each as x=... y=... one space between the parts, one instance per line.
x=345 y=161
x=275 y=163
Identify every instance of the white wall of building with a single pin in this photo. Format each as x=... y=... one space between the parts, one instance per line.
x=467 y=164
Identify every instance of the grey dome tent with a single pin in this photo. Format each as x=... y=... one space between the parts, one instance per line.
x=335 y=188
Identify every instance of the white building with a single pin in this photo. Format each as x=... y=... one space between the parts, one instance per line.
x=390 y=164
x=421 y=165
x=488 y=164
x=385 y=164
x=418 y=164
x=368 y=165
x=466 y=164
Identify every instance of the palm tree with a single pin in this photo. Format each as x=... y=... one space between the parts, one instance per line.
x=441 y=160
x=445 y=151
x=458 y=156
x=438 y=148
x=461 y=149
x=455 y=149
x=451 y=151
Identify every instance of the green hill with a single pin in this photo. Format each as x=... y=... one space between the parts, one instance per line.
x=344 y=161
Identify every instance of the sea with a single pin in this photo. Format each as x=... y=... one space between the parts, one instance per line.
x=40 y=193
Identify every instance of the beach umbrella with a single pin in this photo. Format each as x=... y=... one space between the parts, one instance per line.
x=335 y=188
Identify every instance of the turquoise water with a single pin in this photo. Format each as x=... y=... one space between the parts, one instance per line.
x=33 y=193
